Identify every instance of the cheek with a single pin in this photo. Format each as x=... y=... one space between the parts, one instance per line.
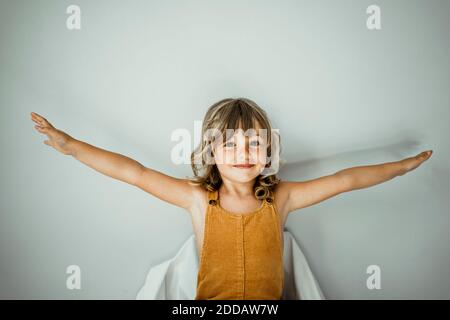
x=259 y=156
x=223 y=156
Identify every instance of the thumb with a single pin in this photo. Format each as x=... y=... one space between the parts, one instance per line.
x=47 y=142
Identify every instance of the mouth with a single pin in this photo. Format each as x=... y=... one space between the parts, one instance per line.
x=244 y=166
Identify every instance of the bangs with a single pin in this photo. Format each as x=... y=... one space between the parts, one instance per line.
x=239 y=116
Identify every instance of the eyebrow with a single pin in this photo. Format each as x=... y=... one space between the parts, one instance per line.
x=248 y=137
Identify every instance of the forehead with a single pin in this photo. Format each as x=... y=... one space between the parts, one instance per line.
x=240 y=129
x=249 y=133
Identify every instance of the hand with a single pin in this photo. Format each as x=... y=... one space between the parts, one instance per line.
x=413 y=162
x=56 y=138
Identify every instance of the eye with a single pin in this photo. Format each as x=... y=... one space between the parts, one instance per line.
x=257 y=142
x=227 y=144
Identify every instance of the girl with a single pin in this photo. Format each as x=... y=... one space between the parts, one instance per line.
x=237 y=204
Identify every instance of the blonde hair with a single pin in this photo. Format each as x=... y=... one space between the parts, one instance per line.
x=228 y=114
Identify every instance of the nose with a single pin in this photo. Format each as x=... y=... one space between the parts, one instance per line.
x=243 y=153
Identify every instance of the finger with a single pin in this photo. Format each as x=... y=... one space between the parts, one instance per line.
x=41 y=120
x=46 y=124
x=36 y=116
x=41 y=129
x=47 y=142
x=424 y=155
x=36 y=121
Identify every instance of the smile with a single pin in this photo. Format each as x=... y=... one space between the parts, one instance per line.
x=244 y=166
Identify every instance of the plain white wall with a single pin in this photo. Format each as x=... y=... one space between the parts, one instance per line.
x=340 y=94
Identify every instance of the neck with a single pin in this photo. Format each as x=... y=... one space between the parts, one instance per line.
x=239 y=189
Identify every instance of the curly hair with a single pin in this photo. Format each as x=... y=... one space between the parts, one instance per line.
x=229 y=114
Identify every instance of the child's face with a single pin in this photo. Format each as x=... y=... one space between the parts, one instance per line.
x=249 y=149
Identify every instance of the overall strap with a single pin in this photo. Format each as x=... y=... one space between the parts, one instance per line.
x=212 y=197
x=270 y=198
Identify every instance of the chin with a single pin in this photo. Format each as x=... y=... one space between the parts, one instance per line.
x=245 y=174
x=244 y=179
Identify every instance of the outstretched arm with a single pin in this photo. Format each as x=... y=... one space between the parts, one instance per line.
x=367 y=176
x=173 y=190
x=306 y=193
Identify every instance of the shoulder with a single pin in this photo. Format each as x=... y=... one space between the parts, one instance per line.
x=281 y=190
x=300 y=194
x=199 y=199
x=281 y=194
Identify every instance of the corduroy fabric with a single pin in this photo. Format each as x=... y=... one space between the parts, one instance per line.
x=241 y=257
